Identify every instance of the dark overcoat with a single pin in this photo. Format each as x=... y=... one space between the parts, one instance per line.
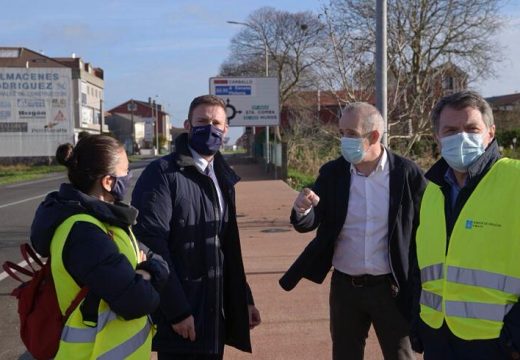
x=179 y=219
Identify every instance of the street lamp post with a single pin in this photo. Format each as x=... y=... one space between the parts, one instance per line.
x=266 y=52
x=381 y=64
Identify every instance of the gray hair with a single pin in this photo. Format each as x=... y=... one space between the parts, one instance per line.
x=459 y=101
x=371 y=117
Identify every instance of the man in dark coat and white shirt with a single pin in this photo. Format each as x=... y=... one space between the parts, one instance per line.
x=364 y=206
x=187 y=214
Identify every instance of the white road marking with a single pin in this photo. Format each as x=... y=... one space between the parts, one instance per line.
x=22 y=201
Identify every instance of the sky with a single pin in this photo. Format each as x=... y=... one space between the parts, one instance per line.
x=168 y=49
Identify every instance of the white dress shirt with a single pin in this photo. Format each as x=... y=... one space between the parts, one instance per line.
x=362 y=245
x=202 y=164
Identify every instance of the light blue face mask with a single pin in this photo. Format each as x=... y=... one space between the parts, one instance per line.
x=352 y=149
x=461 y=150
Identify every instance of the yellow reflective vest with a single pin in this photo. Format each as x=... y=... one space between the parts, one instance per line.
x=474 y=283
x=112 y=337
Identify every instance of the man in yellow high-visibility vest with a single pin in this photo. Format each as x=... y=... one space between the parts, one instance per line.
x=468 y=240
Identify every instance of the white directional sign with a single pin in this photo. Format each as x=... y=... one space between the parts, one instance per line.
x=249 y=101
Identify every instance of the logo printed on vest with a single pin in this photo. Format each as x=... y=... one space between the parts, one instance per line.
x=472 y=224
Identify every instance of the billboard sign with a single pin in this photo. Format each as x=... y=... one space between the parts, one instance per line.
x=36 y=110
x=149 y=127
x=36 y=101
x=249 y=101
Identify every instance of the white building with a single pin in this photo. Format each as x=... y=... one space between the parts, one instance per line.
x=45 y=102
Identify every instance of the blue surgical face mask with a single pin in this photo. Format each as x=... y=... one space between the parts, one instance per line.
x=206 y=139
x=352 y=149
x=121 y=186
x=462 y=149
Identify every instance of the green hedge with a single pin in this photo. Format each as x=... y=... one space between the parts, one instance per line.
x=298 y=180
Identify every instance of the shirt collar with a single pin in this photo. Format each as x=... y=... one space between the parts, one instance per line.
x=382 y=165
x=199 y=161
x=451 y=180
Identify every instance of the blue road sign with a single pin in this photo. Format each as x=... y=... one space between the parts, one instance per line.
x=232 y=90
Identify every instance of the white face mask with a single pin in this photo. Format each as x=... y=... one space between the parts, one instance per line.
x=462 y=149
x=352 y=149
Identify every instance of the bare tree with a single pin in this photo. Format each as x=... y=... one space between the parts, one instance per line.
x=310 y=143
x=434 y=46
x=294 y=46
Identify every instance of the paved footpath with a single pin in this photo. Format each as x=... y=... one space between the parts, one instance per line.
x=295 y=325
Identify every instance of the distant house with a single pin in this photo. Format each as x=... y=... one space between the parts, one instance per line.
x=322 y=106
x=133 y=123
x=325 y=106
x=506 y=111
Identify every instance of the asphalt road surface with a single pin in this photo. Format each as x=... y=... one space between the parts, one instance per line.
x=18 y=203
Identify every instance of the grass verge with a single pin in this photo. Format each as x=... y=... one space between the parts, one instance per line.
x=16 y=173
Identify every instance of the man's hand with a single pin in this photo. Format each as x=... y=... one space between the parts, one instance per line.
x=254 y=316
x=306 y=198
x=186 y=328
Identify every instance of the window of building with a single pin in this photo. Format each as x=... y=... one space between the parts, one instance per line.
x=448 y=83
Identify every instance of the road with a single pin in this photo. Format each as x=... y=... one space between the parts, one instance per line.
x=18 y=203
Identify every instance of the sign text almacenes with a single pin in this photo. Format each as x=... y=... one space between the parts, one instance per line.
x=27 y=81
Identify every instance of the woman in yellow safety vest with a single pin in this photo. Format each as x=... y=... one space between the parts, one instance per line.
x=85 y=228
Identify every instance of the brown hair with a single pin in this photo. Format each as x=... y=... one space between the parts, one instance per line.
x=205 y=100
x=93 y=157
x=459 y=101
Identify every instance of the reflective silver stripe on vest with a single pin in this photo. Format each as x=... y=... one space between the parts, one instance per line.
x=87 y=335
x=431 y=300
x=432 y=272
x=127 y=348
x=486 y=279
x=474 y=310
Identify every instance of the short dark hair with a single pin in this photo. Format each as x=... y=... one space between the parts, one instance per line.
x=459 y=101
x=93 y=157
x=205 y=100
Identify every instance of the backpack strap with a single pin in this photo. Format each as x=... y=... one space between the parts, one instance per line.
x=11 y=268
x=74 y=304
x=29 y=254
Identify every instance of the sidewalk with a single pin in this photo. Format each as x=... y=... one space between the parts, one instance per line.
x=295 y=325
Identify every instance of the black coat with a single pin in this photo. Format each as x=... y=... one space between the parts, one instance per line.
x=332 y=186
x=178 y=219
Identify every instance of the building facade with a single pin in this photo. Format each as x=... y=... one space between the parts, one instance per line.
x=134 y=122
x=42 y=103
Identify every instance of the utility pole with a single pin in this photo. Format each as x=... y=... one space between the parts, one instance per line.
x=267 y=150
x=156 y=122
x=132 y=108
x=381 y=65
x=101 y=116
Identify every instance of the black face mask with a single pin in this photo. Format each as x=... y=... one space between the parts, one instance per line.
x=206 y=139
x=121 y=186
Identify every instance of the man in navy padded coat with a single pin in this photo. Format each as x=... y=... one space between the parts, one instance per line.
x=187 y=214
